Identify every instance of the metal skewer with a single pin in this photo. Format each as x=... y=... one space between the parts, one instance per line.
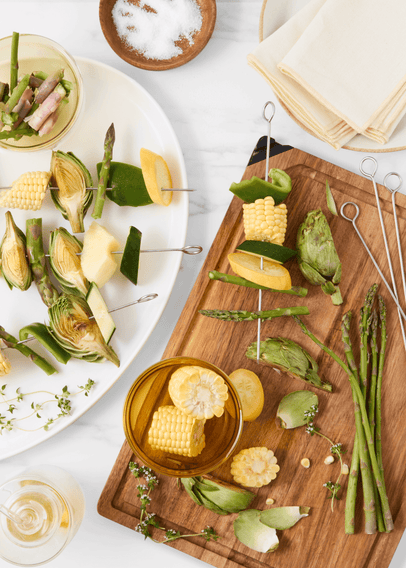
x=190 y=249
x=146 y=298
x=393 y=191
x=352 y=220
x=371 y=176
x=95 y=188
x=268 y=146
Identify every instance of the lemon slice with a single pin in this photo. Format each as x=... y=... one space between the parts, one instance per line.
x=156 y=176
x=250 y=391
x=272 y=275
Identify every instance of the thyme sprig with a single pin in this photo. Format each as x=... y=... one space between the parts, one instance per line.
x=147 y=519
x=335 y=449
x=10 y=422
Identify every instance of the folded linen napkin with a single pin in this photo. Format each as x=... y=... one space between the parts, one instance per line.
x=338 y=67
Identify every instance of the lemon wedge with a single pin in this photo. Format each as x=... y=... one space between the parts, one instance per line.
x=272 y=275
x=250 y=391
x=156 y=176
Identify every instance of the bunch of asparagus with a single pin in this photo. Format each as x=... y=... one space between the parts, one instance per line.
x=376 y=508
x=31 y=105
x=367 y=451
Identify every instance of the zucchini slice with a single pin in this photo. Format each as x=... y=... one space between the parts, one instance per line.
x=131 y=256
x=275 y=252
x=100 y=312
x=42 y=334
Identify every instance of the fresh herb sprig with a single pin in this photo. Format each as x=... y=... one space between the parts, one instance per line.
x=335 y=449
x=148 y=520
x=10 y=422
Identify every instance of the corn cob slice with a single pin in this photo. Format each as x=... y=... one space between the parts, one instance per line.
x=254 y=467
x=5 y=366
x=175 y=432
x=198 y=391
x=27 y=192
x=263 y=221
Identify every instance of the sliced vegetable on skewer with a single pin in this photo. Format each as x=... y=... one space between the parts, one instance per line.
x=100 y=312
x=238 y=281
x=156 y=176
x=250 y=190
x=27 y=192
x=76 y=330
x=13 y=255
x=65 y=264
x=104 y=172
x=72 y=199
x=10 y=341
x=272 y=275
x=42 y=334
x=36 y=257
x=263 y=221
x=131 y=256
x=97 y=261
x=271 y=251
x=127 y=186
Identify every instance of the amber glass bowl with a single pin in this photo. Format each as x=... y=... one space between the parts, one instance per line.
x=37 y=53
x=149 y=392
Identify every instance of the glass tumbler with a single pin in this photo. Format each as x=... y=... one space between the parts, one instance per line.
x=47 y=505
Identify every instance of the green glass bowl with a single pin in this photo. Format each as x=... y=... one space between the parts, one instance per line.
x=37 y=53
x=149 y=392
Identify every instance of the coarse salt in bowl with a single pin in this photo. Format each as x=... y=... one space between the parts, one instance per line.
x=38 y=53
x=157 y=35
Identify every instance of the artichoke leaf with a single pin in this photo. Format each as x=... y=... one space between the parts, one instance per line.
x=337 y=275
x=328 y=288
x=65 y=262
x=13 y=254
x=72 y=198
x=256 y=535
x=70 y=318
x=311 y=274
x=282 y=518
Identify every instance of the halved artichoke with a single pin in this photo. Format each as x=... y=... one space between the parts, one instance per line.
x=13 y=254
x=65 y=262
x=72 y=178
x=75 y=329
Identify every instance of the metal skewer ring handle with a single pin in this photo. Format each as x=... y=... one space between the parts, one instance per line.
x=370 y=175
x=270 y=117
x=386 y=184
x=351 y=219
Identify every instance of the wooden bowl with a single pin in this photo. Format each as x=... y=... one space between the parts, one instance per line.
x=200 y=39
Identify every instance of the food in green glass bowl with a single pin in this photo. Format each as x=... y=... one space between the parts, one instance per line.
x=41 y=92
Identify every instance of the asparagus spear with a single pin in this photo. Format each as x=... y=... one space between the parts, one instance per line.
x=374 y=372
x=104 y=173
x=11 y=341
x=382 y=316
x=364 y=334
x=242 y=315
x=230 y=279
x=17 y=93
x=14 y=61
x=365 y=423
x=36 y=257
x=361 y=447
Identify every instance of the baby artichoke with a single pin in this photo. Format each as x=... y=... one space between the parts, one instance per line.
x=288 y=356
x=65 y=262
x=317 y=256
x=75 y=329
x=72 y=178
x=13 y=253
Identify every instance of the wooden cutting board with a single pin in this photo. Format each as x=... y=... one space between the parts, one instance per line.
x=318 y=540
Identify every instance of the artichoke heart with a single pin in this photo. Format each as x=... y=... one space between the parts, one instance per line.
x=70 y=318
x=14 y=263
x=317 y=256
x=65 y=262
x=288 y=356
x=72 y=198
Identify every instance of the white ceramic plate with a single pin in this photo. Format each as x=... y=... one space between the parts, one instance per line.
x=274 y=14
x=139 y=122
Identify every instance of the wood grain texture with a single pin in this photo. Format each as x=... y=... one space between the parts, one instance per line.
x=319 y=540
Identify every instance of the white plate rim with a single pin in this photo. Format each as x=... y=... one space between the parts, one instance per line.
x=261 y=35
x=93 y=398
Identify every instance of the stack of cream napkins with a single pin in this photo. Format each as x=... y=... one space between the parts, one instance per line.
x=339 y=68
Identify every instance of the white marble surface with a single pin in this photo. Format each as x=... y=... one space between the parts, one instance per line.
x=215 y=106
